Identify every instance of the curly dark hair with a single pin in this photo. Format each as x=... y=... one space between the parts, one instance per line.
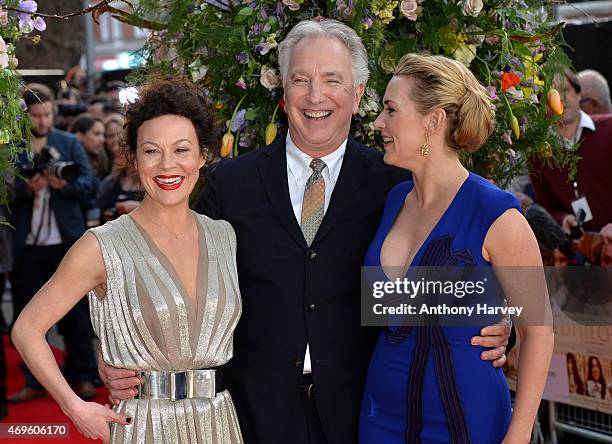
x=171 y=96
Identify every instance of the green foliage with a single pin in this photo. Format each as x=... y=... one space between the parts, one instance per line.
x=14 y=123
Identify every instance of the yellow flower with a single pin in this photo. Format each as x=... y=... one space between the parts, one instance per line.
x=383 y=9
x=532 y=70
x=554 y=101
x=461 y=38
x=270 y=133
x=227 y=143
x=515 y=126
x=465 y=54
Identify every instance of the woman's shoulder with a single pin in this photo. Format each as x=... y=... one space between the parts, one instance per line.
x=487 y=194
x=400 y=191
x=219 y=226
x=112 y=227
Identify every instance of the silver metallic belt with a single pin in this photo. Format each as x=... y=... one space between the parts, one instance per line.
x=177 y=385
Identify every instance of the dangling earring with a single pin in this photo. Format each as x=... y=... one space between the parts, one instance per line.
x=425 y=147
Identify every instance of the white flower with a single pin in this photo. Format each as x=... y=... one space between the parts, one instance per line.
x=410 y=9
x=472 y=7
x=465 y=54
x=291 y=4
x=269 y=78
x=4 y=57
x=197 y=71
x=516 y=94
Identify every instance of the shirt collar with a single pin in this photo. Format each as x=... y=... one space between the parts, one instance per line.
x=586 y=121
x=298 y=161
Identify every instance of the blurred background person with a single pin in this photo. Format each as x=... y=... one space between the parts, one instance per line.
x=111 y=91
x=99 y=106
x=120 y=192
x=595 y=93
x=47 y=215
x=113 y=125
x=90 y=131
x=593 y=179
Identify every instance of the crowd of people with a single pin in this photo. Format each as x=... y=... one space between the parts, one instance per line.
x=163 y=280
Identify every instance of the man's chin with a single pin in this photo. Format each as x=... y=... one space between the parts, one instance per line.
x=36 y=133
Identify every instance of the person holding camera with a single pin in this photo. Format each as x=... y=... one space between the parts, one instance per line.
x=50 y=188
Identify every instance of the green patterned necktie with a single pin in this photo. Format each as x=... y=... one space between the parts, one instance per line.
x=314 y=201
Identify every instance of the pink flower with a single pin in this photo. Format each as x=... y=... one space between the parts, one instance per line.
x=410 y=9
x=241 y=84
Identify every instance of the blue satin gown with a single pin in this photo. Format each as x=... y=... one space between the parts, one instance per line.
x=428 y=384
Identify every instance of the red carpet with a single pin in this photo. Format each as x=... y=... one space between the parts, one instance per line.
x=39 y=411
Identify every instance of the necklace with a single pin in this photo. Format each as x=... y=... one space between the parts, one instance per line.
x=176 y=236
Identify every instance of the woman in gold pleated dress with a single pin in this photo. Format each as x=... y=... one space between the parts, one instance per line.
x=163 y=289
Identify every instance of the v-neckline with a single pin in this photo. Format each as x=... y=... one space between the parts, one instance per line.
x=169 y=266
x=433 y=230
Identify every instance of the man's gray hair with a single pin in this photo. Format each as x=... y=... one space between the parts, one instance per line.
x=325 y=28
x=597 y=85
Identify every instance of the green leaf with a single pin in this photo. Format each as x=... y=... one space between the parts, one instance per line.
x=252 y=114
x=243 y=14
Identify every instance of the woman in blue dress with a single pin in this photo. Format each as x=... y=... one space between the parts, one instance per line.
x=427 y=384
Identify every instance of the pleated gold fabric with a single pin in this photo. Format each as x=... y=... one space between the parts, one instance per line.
x=146 y=321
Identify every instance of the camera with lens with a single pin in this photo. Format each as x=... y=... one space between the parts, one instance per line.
x=48 y=161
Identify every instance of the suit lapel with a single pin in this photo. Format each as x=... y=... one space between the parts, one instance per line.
x=352 y=174
x=272 y=165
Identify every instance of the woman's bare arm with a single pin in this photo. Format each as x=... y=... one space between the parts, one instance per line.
x=81 y=270
x=511 y=244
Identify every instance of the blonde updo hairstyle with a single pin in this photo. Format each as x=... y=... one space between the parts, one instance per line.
x=439 y=82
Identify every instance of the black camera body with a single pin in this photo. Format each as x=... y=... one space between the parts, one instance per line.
x=48 y=160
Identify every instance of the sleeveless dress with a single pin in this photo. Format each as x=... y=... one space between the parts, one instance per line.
x=146 y=321
x=427 y=384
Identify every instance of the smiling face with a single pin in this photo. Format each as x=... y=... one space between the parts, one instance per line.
x=168 y=159
x=401 y=125
x=320 y=98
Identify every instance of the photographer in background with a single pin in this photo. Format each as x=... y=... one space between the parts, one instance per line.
x=46 y=213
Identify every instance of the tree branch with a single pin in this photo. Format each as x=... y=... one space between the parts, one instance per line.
x=103 y=5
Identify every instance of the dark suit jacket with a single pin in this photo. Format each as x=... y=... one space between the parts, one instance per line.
x=293 y=294
x=66 y=202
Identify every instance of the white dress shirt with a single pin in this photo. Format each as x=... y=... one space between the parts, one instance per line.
x=43 y=221
x=585 y=122
x=298 y=172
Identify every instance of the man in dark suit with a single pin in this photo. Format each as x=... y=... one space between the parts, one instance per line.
x=47 y=216
x=304 y=210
